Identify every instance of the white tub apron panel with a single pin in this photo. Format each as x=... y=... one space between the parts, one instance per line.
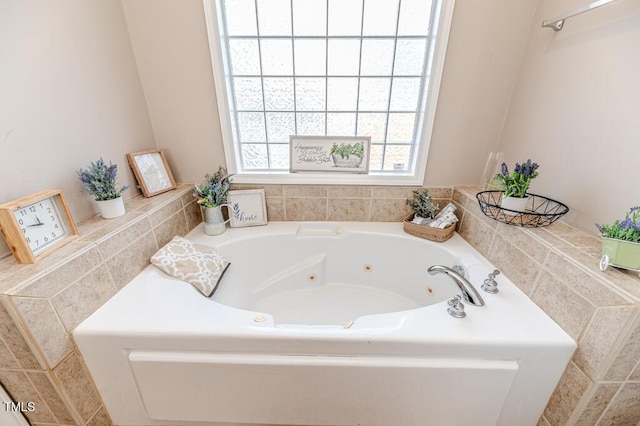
x=320 y=390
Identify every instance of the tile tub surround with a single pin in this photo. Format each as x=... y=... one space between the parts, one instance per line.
x=556 y=266
x=41 y=304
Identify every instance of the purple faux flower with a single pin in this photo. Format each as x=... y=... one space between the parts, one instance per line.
x=505 y=170
x=626 y=224
x=600 y=228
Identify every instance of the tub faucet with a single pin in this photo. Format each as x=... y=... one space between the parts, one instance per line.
x=467 y=289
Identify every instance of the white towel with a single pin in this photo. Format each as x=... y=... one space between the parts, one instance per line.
x=196 y=264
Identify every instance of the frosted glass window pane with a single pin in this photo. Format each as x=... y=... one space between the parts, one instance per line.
x=241 y=17
x=376 y=17
x=377 y=57
x=400 y=127
x=280 y=125
x=344 y=56
x=276 y=57
x=310 y=94
x=374 y=94
x=248 y=93
x=310 y=124
x=278 y=94
x=342 y=94
x=414 y=17
x=310 y=57
x=251 y=126
x=341 y=124
x=404 y=94
x=396 y=157
x=375 y=157
x=372 y=124
x=245 y=59
x=254 y=156
x=309 y=17
x=409 y=57
x=345 y=17
x=279 y=156
x=274 y=17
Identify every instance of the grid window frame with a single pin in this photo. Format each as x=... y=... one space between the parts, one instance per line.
x=308 y=117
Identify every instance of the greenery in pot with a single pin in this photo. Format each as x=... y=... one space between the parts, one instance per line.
x=627 y=229
x=516 y=183
x=345 y=150
x=99 y=180
x=422 y=204
x=212 y=192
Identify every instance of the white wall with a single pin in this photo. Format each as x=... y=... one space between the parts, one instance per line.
x=485 y=50
x=169 y=39
x=576 y=107
x=69 y=93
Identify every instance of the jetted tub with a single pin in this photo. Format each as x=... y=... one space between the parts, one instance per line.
x=324 y=324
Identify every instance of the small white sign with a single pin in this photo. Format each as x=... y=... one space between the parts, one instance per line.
x=346 y=154
x=247 y=208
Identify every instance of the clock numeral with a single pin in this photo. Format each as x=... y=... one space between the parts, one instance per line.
x=53 y=219
x=46 y=239
x=37 y=242
x=20 y=221
x=48 y=209
x=53 y=234
x=28 y=240
x=56 y=226
x=32 y=209
x=24 y=231
x=23 y=212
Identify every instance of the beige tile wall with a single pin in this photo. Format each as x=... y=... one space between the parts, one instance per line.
x=41 y=304
x=556 y=266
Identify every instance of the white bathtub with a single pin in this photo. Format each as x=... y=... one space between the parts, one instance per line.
x=324 y=324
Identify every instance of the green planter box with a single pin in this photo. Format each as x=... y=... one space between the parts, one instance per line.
x=621 y=253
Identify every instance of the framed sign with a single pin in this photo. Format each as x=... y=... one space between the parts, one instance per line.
x=152 y=172
x=247 y=208
x=347 y=154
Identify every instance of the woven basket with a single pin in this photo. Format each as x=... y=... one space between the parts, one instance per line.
x=427 y=232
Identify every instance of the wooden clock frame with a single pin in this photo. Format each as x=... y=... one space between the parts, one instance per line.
x=13 y=234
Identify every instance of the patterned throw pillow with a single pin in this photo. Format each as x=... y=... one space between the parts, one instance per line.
x=199 y=265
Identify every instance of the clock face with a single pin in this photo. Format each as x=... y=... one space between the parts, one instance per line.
x=41 y=224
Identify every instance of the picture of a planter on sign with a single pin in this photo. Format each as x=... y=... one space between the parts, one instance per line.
x=247 y=208
x=329 y=154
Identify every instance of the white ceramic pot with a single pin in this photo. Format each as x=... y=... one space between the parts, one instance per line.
x=111 y=208
x=214 y=223
x=514 y=205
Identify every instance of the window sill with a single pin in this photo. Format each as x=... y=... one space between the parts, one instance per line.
x=307 y=178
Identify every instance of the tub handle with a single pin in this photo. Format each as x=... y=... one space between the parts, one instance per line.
x=456 y=308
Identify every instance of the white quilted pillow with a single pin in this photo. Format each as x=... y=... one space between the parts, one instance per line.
x=199 y=265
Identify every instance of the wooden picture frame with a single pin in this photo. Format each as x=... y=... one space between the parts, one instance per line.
x=344 y=154
x=37 y=225
x=151 y=171
x=247 y=207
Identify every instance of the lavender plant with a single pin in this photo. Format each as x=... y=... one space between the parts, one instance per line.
x=516 y=183
x=212 y=192
x=627 y=229
x=99 y=180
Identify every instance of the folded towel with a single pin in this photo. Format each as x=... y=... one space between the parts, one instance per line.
x=199 y=265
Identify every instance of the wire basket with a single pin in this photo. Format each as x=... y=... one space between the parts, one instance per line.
x=541 y=211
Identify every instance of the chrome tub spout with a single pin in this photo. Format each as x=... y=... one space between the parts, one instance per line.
x=469 y=293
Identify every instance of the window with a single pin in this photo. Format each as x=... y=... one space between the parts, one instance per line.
x=327 y=67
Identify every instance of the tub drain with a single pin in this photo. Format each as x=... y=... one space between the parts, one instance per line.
x=429 y=291
x=312 y=277
x=367 y=268
x=259 y=318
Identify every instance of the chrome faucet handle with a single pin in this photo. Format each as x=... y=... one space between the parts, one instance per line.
x=490 y=285
x=456 y=308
